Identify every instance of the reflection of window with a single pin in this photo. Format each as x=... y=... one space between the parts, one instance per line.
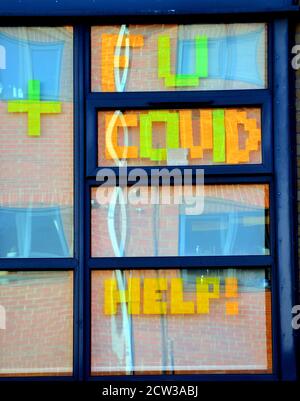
x=249 y=280
x=32 y=232
x=199 y=320
x=38 y=60
x=179 y=57
x=242 y=64
x=225 y=228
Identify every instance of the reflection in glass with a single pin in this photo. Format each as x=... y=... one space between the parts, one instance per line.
x=22 y=232
x=178 y=57
x=36 y=335
x=234 y=220
x=181 y=321
x=180 y=137
x=36 y=142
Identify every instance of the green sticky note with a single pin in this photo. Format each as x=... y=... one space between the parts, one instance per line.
x=164 y=56
x=172 y=134
x=201 y=56
x=145 y=136
x=164 y=63
x=34 y=107
x=219 y=136
x=34 y=89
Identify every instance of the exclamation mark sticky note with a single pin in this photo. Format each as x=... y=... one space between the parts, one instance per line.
x=231 y=291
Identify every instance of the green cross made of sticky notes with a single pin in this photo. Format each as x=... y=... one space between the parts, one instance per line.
x=34 y=107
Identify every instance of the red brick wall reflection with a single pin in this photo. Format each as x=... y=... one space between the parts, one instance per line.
x=38 y=339
x=196 y=343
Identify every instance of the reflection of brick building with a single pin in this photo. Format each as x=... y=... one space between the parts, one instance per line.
x=158 y=230
x=39 y=313
x=143 y=69
x=37 y=172
x=197 y=123
x=214 y=341
x=36 y=215
x=244 y=233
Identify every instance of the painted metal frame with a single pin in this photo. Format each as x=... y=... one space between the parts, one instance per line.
x=282 y=211
x=133 y=7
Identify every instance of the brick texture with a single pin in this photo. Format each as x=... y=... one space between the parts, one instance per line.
x=38 y=171
x=38 y=339
x=213 y=341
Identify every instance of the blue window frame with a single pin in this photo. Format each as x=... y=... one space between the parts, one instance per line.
x=132 y=7
x=276 y=169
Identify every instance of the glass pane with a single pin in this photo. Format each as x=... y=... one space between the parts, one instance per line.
x=36 y=142
x=181 y=321
x=178 y=57
x=179 y=137
x=36 y=337
x=142 y=221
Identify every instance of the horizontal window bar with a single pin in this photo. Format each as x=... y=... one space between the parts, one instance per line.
x=117 y=8
x=183 y=262
x=38 y=264
x=183 y=99
x=217 y=173
x=218 y=177
x=190 y=378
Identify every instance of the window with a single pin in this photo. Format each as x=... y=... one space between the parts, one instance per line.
x=36 y=201
x=181 y=321
x=38 y=340
x=146 y=195
x=180 y=137
x=148 y=209
x=36 y=143
x=231 y=215
x=23 y=232
x=178 y=57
